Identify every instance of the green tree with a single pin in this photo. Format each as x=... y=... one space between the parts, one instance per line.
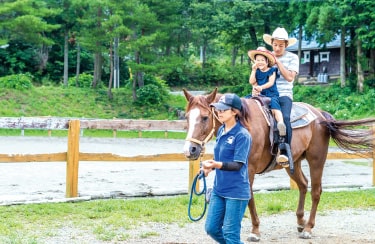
x=346 y=18
x=202 y=25
x=25 y=21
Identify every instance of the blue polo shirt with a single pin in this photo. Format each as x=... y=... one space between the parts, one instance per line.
x=233 y=146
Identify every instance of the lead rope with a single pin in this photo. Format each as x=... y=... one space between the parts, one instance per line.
x=199 y=176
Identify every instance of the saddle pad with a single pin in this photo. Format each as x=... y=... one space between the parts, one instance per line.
x=298 y=111
x=301 y=115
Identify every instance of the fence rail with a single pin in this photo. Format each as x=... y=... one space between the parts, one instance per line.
x=73 y=156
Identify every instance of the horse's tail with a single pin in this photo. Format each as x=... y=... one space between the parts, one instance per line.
x=355 y=135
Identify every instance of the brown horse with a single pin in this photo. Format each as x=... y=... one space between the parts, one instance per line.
x=309 y=142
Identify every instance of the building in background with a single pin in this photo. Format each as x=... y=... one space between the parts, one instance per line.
x=318 y=62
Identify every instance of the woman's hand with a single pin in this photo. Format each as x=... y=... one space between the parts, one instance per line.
x=208 y=166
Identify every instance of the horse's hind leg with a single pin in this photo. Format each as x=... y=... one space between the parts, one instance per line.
x=302 y=184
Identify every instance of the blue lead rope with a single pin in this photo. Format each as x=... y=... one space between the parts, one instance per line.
x=193 y=190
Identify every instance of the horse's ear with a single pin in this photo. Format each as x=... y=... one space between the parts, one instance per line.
x=211 y=97
x=187 y=94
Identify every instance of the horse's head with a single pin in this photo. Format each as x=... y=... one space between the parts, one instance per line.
x=201 y=123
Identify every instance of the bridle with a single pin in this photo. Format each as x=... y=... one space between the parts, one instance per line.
x=209 y=136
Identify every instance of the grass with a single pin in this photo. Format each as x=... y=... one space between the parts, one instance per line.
x=358 y=163
x=83 y=103
x=96 y=133
x=109 y=220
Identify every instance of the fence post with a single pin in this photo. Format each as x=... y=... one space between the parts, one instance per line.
x=194 y=167
x=293 y=185
x=72 y=162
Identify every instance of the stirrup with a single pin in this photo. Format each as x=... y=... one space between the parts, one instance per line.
x=282 y=160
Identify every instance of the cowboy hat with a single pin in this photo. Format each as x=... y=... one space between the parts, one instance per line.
x=279 y=34
x=262 y=51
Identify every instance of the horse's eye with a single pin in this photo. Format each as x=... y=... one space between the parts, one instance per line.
x=205 y=119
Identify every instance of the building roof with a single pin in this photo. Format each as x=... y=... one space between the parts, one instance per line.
x=314 y=45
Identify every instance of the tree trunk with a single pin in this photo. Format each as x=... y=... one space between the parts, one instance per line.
x=116 y=63
x=204 y=50
x=234 y=55
x=300 y=33
x=97 y=55
x=43 y=57
x=110 y=95
x=372 y=62
x=137 y=77
x=360 y=75
x=253 y=36
x=66 y=55
x=342 y=58
x=78 y=67
x=97 y=69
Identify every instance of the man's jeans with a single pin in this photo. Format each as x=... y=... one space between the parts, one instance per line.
x=224 y=218
x=286 y=108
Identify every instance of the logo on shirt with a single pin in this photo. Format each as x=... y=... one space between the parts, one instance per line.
x=230 y=140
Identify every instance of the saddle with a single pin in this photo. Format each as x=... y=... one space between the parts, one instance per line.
x=300 y=116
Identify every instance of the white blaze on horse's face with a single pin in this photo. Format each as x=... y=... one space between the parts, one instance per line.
x=194 y=115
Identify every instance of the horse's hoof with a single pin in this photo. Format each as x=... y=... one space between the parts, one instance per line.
x=253 y=238
x=305 y=235
x=300 y=228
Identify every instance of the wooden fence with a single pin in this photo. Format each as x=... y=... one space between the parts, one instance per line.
x=73 y=156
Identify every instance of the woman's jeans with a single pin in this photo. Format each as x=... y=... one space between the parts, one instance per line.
x=224 y=218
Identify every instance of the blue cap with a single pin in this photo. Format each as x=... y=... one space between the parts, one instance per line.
x=228 y=101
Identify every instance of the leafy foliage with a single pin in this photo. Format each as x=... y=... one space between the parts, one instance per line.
x=192 y=75
x=84 y=80
x=18 y=82
x=153 y=94
x=342 y=103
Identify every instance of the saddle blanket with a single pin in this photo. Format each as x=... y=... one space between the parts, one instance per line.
x=301 y=115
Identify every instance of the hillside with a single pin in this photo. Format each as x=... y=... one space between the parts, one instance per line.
x=78 y=102
x=94 y=103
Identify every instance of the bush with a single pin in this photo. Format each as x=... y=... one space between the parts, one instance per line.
x=149 y=95
x=18 y=82
x=193 y=76
x=84 y=80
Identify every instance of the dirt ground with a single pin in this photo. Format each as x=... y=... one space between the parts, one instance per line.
x=333 y=227
x=336 y=227
x=20 y=185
